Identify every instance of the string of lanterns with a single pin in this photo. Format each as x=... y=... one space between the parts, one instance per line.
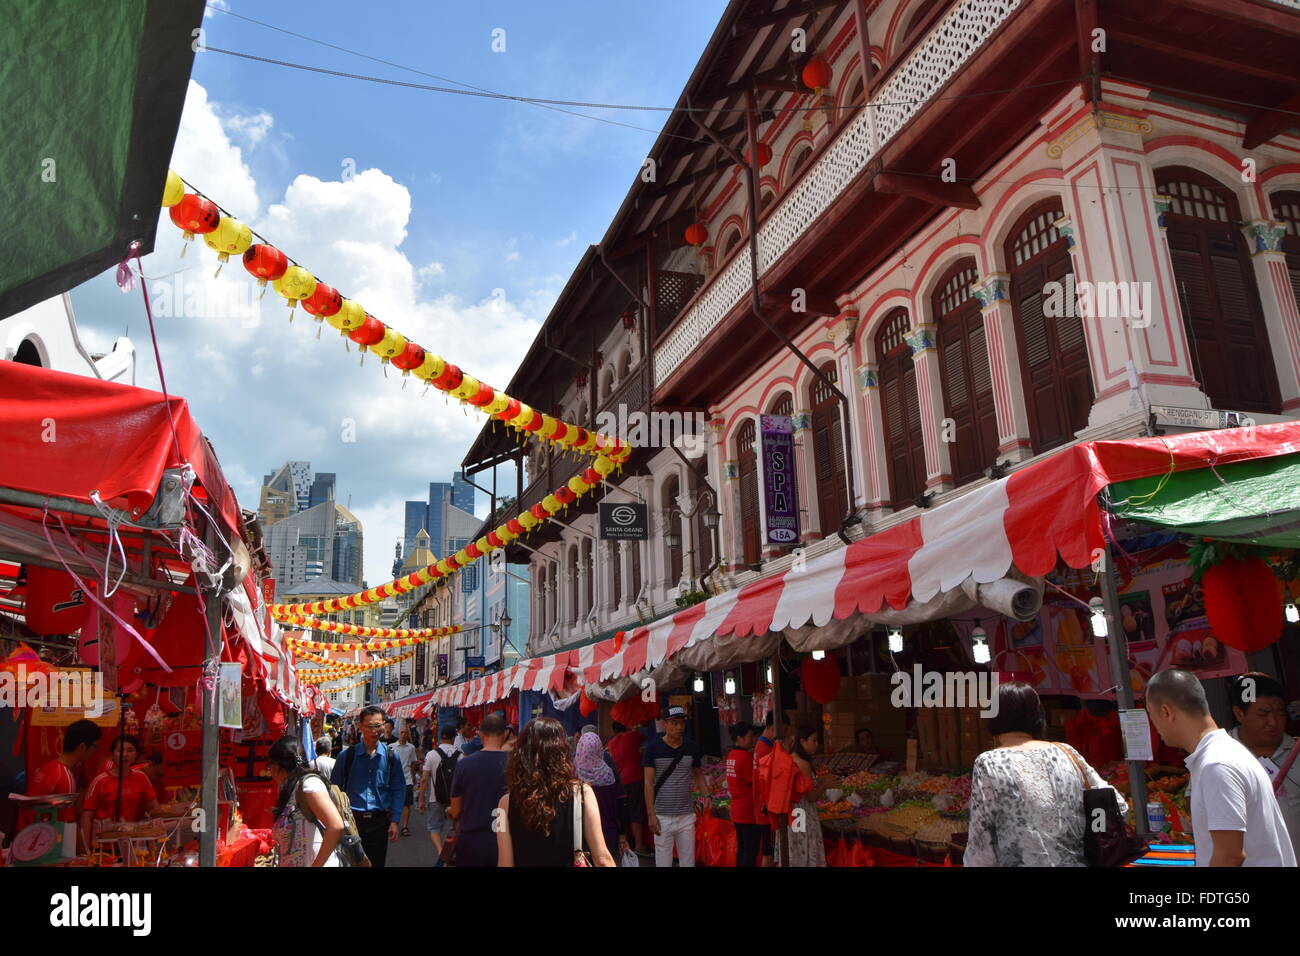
x=339 y=690
x=194 y=214
x=552 y=504
x=319 y=675
x=314 y=658
x=401 y=636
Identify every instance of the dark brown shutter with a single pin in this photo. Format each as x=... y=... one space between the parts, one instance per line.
x=828 y=453
x=964 y=367
x=671 y=491
x=616 y=563
x=747 y=463
x=904 y=442
x=1231 y=353
x=1053 y=349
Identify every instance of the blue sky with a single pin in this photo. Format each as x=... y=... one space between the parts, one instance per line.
x=455 y=219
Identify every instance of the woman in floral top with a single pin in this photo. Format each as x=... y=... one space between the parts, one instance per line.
x=1026 y=802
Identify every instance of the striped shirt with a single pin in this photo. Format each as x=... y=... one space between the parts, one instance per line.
x=674 y=796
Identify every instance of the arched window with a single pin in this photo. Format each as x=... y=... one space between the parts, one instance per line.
x=703 y=536
x=1286 y=207
x=672 y=522
x=747 y=480
x=828 y=452
x=964 y=371
x=624 y=367
x=914 y=24
x=1217 y=292
x=616 y=570
x=1053 y=350
x=573 y=584
x=27 y=353
x=605 y=386
x=730 y=243
x=803 y=153
x=765 y=199
x=588 y=576
x=904 y=440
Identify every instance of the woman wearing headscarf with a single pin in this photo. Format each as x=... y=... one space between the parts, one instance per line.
x=593 y=770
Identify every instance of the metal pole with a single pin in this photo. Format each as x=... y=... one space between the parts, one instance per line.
x=1120 y=673
x=211 y=733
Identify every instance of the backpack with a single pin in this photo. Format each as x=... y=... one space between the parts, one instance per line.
x=349 y=850
x=442 y=777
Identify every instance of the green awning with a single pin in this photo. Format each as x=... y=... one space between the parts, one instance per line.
x=1252 y=502
x=92 y=96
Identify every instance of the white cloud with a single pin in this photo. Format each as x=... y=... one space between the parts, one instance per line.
x=252 y=128
x=571 y=238
x=431 y=271
x=214 y=6
x=512 y=250
x=205 y=156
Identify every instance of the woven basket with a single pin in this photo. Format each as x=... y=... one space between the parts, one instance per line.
x=931 y=851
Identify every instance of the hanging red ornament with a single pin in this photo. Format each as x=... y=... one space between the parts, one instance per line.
x=265 y=263
x=514 y=527
x=450 y=378
x=592 y=477
x=565 y=496
x=369 y=332
x=324 y=301
x=764 y=154
x=412 y=357
x=495 y=540
x=194 y=214
x=820 y=679
x=817 y=74
x=535 y=423
x=633 y=712
x=485 y=395
x=539 y=512
x=697 y=234
x=587 y=706
x=511 y=411
x=1243 y=603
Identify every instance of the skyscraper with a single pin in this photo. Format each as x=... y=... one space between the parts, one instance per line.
x=308 y=535
x=432 y=516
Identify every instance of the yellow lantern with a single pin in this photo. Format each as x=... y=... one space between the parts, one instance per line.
x=505 y=534
x=500 y=402
x=578 y=486
x=230 y=238
x=524 y=417
x=467 y=388
x=349 y=316
x=430 y=368
x=173 y=189
x=390 y=346
x=549 y=426
x=295 y=285
x=483 y=546
x=552 y=504
x=443 y=566
x=463 y=558
x=528 y=520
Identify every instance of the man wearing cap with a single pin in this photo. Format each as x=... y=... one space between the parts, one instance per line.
x=671 y=765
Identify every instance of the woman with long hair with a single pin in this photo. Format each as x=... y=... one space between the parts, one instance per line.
x=805 y=831
x=307 y=824
x=538 y=811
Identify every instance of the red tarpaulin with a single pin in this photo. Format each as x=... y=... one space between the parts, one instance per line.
x=68 y=435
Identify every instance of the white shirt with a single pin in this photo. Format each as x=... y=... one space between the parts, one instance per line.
x=314 y=784
x=323 y=765
x=432 y=759
x=1230 y=791
x=406 y=754
x=1289 y=796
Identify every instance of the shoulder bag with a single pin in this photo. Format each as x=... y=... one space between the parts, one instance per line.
x=1110 y=844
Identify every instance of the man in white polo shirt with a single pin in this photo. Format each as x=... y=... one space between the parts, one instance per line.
x=1259 y=704
x=1236 y=820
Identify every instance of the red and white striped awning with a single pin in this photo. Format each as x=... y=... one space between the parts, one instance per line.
x=1027 y=522
x=408 y=706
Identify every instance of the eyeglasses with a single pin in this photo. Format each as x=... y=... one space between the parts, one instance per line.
x=375 y=727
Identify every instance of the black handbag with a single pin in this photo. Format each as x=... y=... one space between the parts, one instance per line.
x=1106 y=840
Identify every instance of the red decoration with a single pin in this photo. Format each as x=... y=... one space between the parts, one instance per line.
x=514 y=527
x=535 y=423
x=450 y=378
x=587 y=706
x=412 y=357
x=592 y=477
x=565 y=496
x=368 y=332
x=1243 y=602
x=495 y=540
x=820 y=679
x=472 y=550
x=561 y=430
x=324 y=302
x=539 y=512
x=267 y=262
x=55 y=604
x=634 y=711
x=817 y=74
x=581 y=378
x=511 y=411
x=484 y=397
x=697 y=234
x=194 y=214
x=764 y=154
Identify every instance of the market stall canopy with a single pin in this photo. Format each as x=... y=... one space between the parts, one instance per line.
x=1251 y=502
x=971 y=550
x=407 y=706
x=93 y=97
x=67 y=435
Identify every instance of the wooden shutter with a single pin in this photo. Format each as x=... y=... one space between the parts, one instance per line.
x=635 y=550
x=1217 y=291
x=1053 y=349
x=616 y=564
x=904 y=442
x=747 y=466
x=828 y=453
x=964 y=368
x=671 y=492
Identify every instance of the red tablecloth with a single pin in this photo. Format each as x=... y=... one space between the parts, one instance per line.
x=242 y=852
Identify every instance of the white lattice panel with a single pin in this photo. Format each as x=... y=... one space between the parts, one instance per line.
x=950 y=44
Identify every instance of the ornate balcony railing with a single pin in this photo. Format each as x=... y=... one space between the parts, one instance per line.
x=952 y=42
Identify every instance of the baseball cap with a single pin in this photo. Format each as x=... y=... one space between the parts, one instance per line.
x=676 y=712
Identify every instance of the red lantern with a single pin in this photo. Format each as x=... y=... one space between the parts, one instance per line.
x=412 y=357
x=322 y=303
x=484 y=397
x=565 y=495
x=194 y=214
x=450 y=378
x=514 y=527
x=472 y=550
x=764 y=154
x=634 y=711
x=820 y=679
x=697 y=234
x=495 y=540
x=539 y=512
x=817 y=74
x=1243 y=602
x=535 y=423
x=587 y=706
x=265 y=263
x=368 y=332
x=592 y=477
x=580 y=437
x=511 y=410
x=561 y=430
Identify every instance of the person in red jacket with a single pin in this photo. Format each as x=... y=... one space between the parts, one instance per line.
x=740 y=784
x=763 y=747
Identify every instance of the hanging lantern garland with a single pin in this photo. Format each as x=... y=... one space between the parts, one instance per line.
x=196 y=214
x=392 y=636
x=541 y=512
x=339 y=690
x=318 y=675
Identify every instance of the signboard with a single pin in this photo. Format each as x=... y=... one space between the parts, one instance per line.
x=782 y=504
x=232 y=711
x=1198 y=417
x=472 y=660
x=624 y=521
x=474 y=673
x=442 y=667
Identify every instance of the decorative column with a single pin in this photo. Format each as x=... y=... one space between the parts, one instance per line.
x=875 y=471
x=806 y=471
x=1278 y=300
x=993 y=294
x=1127 y=295
x=841 y=332
x=929 y=388
x=732 y=531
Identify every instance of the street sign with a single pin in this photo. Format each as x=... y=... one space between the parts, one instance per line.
x=624 y=521
x=474 y=661
x=1199 y=417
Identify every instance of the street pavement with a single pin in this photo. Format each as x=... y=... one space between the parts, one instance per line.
x=413 y=850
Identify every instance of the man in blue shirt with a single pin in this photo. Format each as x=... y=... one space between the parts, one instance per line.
x=371 y=774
